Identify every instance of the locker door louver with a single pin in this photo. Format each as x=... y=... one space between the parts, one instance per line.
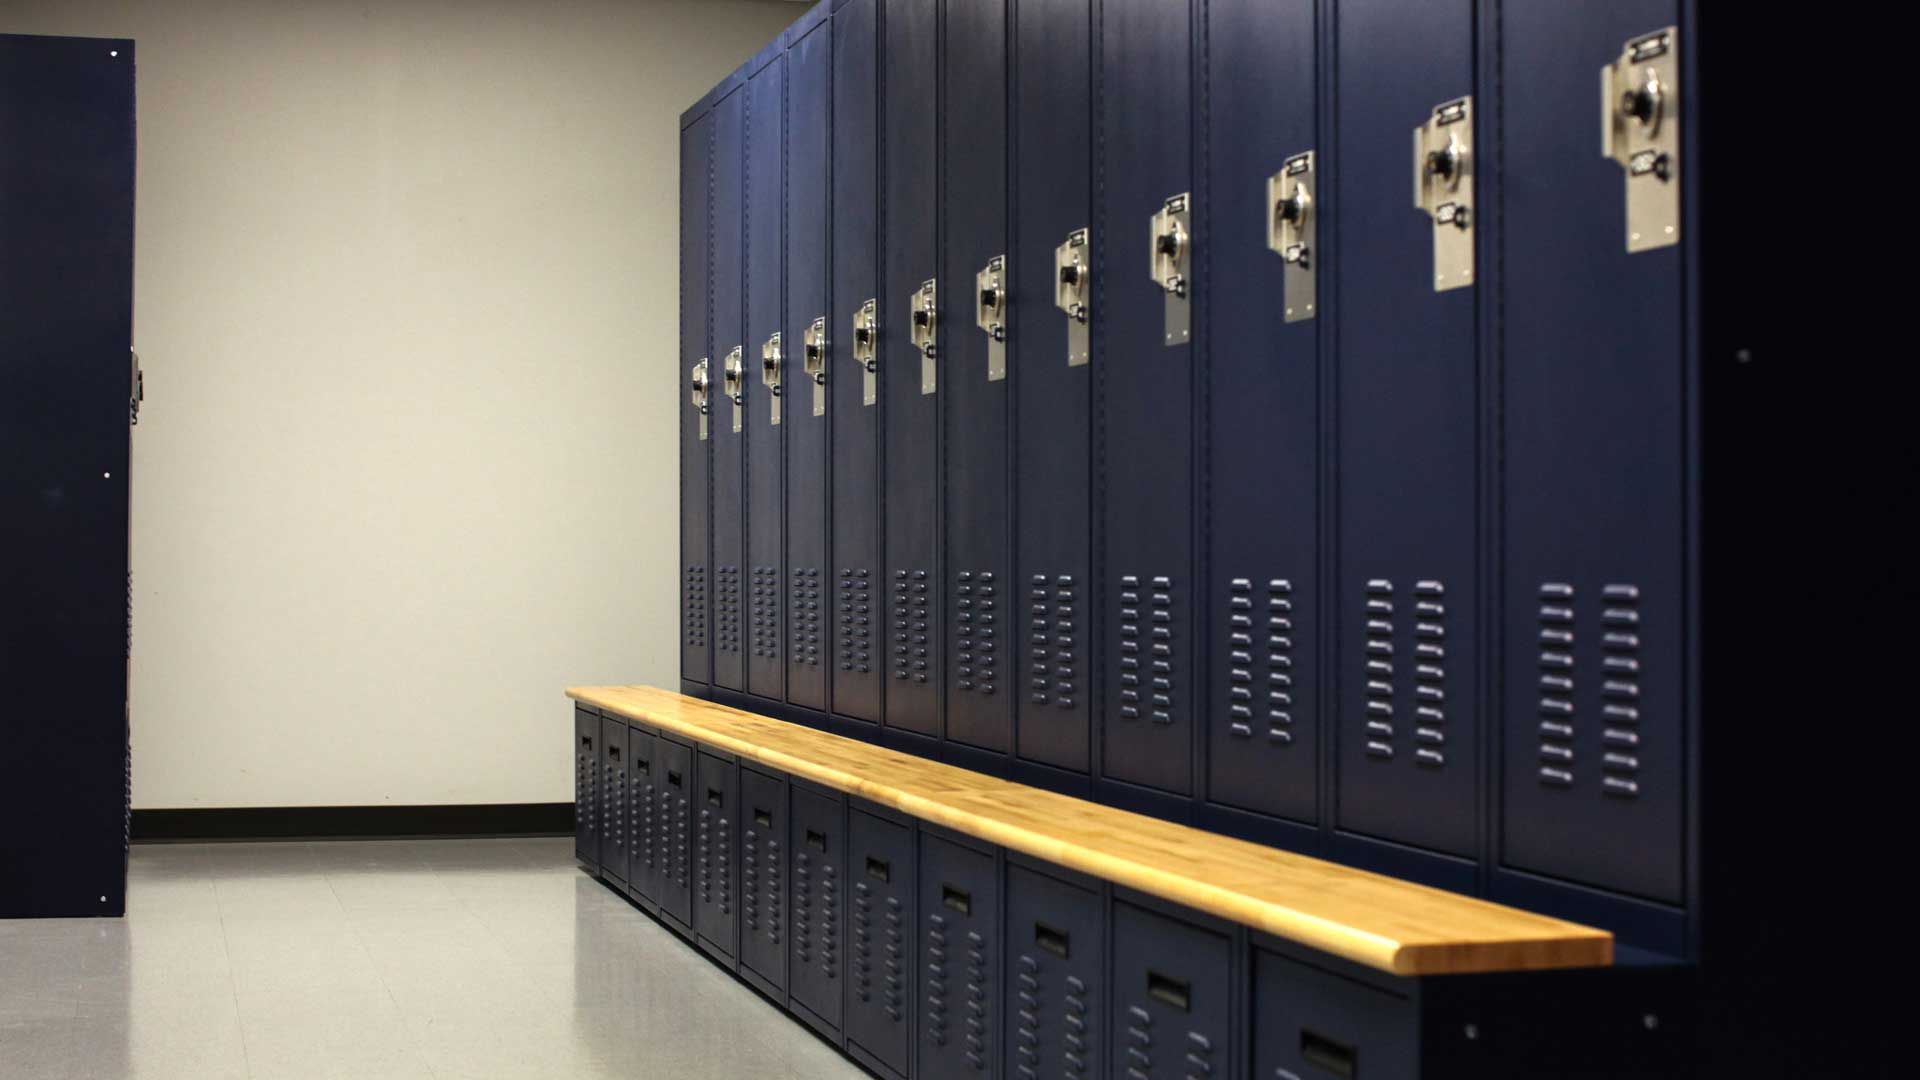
x=696 y=605
x=976 y=659
x=856 y=620
x=1035 y=1016
x=1054 y=671
x=1387 y=642
x=910 y=631
x=726 y=609
x=1273 y=706
x=805 y=619
x=1146 y=689
x=764 y=609
x=1619 y=688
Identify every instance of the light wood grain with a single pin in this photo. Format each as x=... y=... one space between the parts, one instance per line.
x=1381 y=922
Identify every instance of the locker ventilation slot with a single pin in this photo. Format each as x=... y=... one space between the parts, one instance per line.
x=726 y=609
x=1146 y=649
x=696 y=610
x=1272 y=706
x=761 y=891
x=974 y=988
x=1557 y=670
x=856 y=620
x=815 y=915
x=1380 y=671
x=1032 y=1017
x=1054 y=671
x=586 y=784
x=976 y=638
x=1430 y=673
x=765 y=609
x=892 y=996
x=716 y=885
x=614 y=805
x=1387 y=653
x=805 y=606
x=643 y=824
x=1620 y=690
x=910 y=632
x=673 y=836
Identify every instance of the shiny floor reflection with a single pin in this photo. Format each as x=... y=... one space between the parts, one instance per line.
x=379 y=960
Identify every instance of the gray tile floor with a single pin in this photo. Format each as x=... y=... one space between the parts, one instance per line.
x=379 y=960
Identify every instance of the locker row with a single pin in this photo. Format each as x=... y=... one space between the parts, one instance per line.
x=1110 y=394
x=922 y=952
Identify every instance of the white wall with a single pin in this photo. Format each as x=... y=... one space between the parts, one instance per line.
x=407 y=300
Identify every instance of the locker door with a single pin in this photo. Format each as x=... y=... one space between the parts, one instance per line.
x=809 y=587
x=1056 y=942
x=1592 y=446
x=1408 y=424
x=643 y=866
x=910 y=419
x=716 y=849
x=730 y=401
x=613 y=798
x=959 y=1022
x=765 y=260
x=1146 y=425
x=1172 y=997
x=1053 y=163
x=819 y=898
x=764 y=873
x=1264 y=427
x=880 y=994
x=857 y=599
x=1308 y=1022
x=673 y=773
x=696 y=420
x=980 y=649
x=586 y=787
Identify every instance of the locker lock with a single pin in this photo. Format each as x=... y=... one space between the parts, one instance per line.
x=925 y=329
x=770 y=362
x=702 y=386
x=1172 y=229
x=1291 y=231
x=733 y=379
x=1443 y=188
x=1072 y=284
x=866 y=335
x=990 y=313
x=1640 y=129
x=813 y=361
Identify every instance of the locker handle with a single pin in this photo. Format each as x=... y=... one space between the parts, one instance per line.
x=715 y=797
x=1050 y=939
x=586 y=741
x=762 y=818
x=613 y=753
x=1324 y=1053
x=958 y=899
x=1170 y=991
x=642 y=765
x=879 y=869
x=673 y=777
x=817 y=841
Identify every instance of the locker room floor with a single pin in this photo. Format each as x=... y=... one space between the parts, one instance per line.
x=379 y=960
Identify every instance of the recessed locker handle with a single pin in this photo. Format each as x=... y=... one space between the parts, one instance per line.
x=586 y=741
x=1170 y=991
x=613 y=753
x=1334 y=1057
x=1050 y=939
x=1073 y=275
x=702 y=388
x=879 y=869
x=817 y=841
x=959 y=900
x=715 y=797
x=673 y=777
x=762 y=818
x=772 y=361
x=866 y=349
x=642 y=765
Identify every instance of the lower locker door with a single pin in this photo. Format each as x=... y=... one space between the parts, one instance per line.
x=1311 y=1023
x=715 y=915
x=1172 y=997
x=1055 y=941
x=673 y=773
x=613 y=799
x=764 y=874
x=819 y=901
x=643 y=867
x=586 y=787
x=879 y=920
x=958 y=1023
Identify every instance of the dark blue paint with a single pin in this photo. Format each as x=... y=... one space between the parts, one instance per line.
x=729 y=573
x=764 y=580
x=696 y=458
x=809 y=597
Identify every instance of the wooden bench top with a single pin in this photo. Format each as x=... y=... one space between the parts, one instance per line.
x=1371 y=919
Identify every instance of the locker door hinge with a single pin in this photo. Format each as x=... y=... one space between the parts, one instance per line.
x=1173 y=264
x=814 y=361
x=1640 y=129
x=136 y=390
x=701 y=385
x=770 y=360
x=733 y=382
x=866 y=342
x=1291 y=232
x=1072 y=286
x=1443 y=187
x=990 y=312
x=925 y=329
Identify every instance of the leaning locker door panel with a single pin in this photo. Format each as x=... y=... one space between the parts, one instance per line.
x=810 y=582
x=729 y=441
x=764 y=259
x=1408 y=426
x=697 y=383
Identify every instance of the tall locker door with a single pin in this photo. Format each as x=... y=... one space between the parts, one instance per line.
x=1146 y=366
x=700 y=398
x=764 y=874
x=586 y=787
x=805 y=369
x=1264 y=424
x=1593 y=438
x=852 y=376
x=729 y=360
x=1408 y=423
x=613 y=798
x=1056 y=950
x=912 y=363
x=880 y=994
x=643 y=864
x=960 y=985
x=1172 y=997
x=673 y=776
x=716 y=852
x=819 y=843
x=1051 y=379
x=765 y=260
x=982 y=645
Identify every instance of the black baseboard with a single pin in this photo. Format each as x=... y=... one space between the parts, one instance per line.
x=352 y=822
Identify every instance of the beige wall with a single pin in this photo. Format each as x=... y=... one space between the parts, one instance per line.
x=407 y=302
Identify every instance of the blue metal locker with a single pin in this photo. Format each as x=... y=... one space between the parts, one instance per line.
x=673 y=777
x=1051 y=374
x=852 y=375
x=1056 y=972
x=764 y=258
x=643 y=862
x=716 y=915
x=982 y=647
x=1263 y=408
x=805 y=369
x=1404 y=319
x=1147 y=361
x=699 y=382
x=1592 y=450
x=765 y=873
x=819 y=845
x=1173 y=997
x=586 y=787
x=613 y=799
x=880 y=917
x=1309 y=1022
x=910 y=364
x=729 y=376
x=960 y=984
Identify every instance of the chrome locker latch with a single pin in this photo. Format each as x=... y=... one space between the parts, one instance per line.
x=770 y=361
x=1640 y=129
x=702 y=386
x=1173 y=264
x=733 y=380
x=1072 y=292
x=925 y=329
x=1443 y=187
x=1292 y=232
x=866 y=342
x=813 y=361
x=990 y=313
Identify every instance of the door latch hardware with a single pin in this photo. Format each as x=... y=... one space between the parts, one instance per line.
x=770 y=360
x=733 y=381
x=137 y=391
x=1443 y=187
x=925 y=330
x=1292 y=232
x=1640 y=129
x=866 y=342
x=701 y=385
x=1173 y=264
x=990 y=312
x=1072 y=290
x=814 y=362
